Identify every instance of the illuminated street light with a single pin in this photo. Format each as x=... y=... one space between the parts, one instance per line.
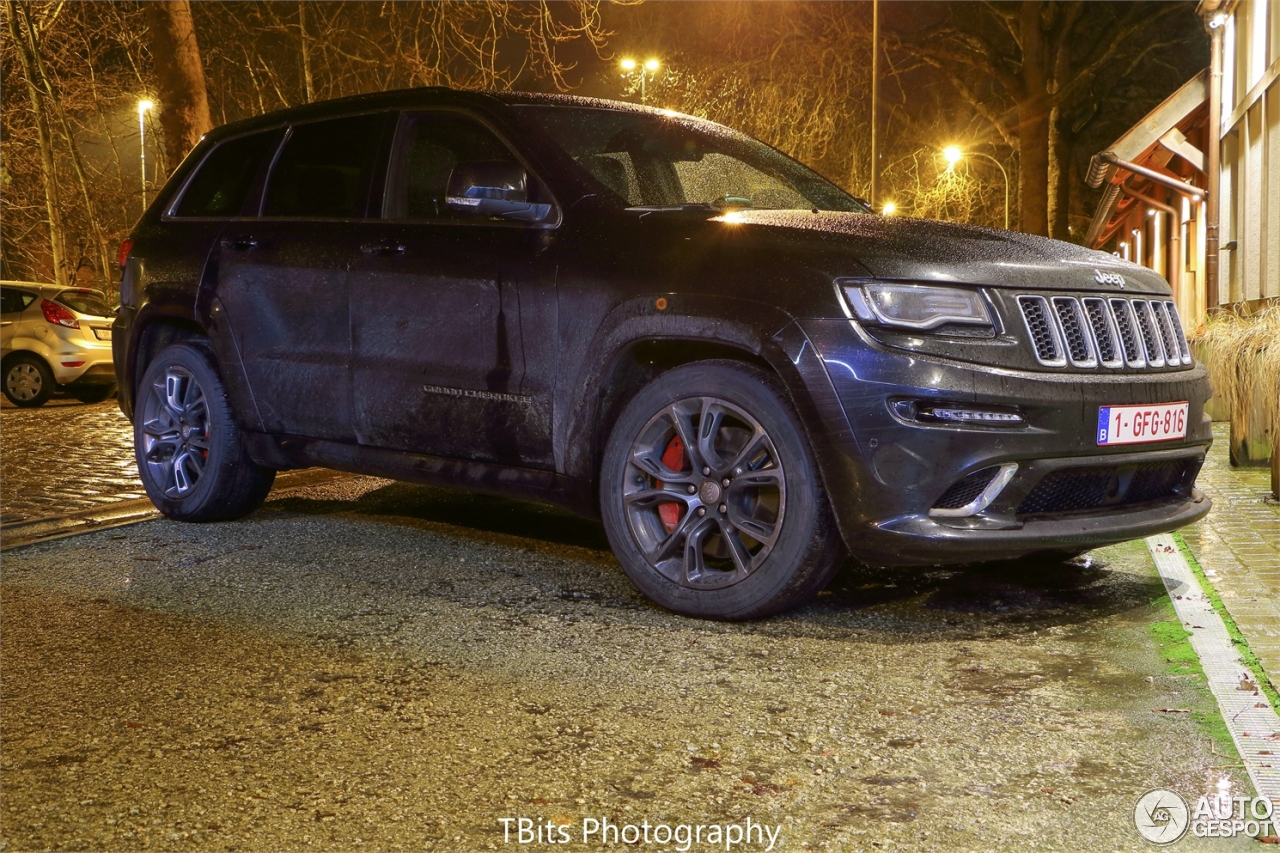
x=144 y=106
x=889 y=208
x=955 y=155
x=649 y=69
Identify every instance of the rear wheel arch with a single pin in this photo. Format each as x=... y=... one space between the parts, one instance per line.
x=156 y=334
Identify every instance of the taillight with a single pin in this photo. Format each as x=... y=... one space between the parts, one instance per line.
x=59 y=316
x=122 y=256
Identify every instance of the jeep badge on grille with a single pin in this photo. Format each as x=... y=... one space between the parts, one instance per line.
x=1108 y=278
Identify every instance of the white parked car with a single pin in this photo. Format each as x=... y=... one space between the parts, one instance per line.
x=54 y=338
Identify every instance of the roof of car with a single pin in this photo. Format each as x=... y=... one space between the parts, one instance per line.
x=427 y=96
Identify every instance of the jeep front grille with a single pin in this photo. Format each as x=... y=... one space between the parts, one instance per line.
x=1092 y=332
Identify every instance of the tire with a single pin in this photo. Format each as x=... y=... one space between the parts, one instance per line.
x=191 y=453
x=94 y=393
x=28 y=381
x=711 y=565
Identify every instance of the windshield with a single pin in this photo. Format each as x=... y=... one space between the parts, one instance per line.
x=89 y=302
x=664 y=161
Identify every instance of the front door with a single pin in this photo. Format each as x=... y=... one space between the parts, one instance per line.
x=437 y=346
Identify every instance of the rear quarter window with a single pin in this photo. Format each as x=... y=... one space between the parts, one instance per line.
x=225 y=178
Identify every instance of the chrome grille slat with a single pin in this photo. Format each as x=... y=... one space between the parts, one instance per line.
x=1045 y=337
x=1103 y=326
x=1168 y=334
x=1110 y=332
x=1075 y=334
x=1183 y=347
x=1150 y=333
x=1127 y=323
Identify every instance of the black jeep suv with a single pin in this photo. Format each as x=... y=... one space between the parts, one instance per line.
x=650 y=319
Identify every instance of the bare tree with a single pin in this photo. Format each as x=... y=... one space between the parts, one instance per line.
x=25 y=33
x=1017 y=64
x=184 y=99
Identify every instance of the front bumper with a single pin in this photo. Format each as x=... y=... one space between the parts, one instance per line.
x=887 y=477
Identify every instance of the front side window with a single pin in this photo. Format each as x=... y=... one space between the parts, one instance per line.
x=431 y=146
x=657 y=161
x=326 y=169
x=14 y=300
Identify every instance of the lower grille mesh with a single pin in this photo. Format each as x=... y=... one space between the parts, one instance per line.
x=964 y=491
x=1106 y=485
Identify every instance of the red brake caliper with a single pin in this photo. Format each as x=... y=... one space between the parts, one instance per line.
x=673 y=458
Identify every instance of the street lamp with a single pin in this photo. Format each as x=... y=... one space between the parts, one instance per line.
x=630 y=66
x=889 y=208
x=143 y=107
x=955 y=155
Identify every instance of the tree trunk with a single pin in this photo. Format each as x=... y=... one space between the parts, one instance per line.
x=307 y=88
x=24 y=44
x=1033 y=167
x=1033 y=124
x=1061 y=144
x=184 y=101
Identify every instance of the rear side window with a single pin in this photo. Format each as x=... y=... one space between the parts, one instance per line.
x=85 y=301
x=226 y=176
x=325 y=169
x=14 y=300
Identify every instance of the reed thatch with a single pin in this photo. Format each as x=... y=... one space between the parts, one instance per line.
x=1244 y=365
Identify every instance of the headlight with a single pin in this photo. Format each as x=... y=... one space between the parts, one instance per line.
x=917 y=306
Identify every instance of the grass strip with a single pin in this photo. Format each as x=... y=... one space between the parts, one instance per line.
x=1180 y=658
x=1233 y=631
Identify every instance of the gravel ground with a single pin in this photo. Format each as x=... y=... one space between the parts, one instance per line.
x=367 y=665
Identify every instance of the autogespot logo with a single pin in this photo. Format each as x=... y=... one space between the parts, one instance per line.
x=1161 y=816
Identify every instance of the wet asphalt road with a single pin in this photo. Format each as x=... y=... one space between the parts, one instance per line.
x=370 y=666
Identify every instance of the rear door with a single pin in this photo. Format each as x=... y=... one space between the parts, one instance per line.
x=437 y=342
x=13 y=301
x=283 y=278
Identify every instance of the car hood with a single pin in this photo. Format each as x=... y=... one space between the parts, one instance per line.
x=926 y=250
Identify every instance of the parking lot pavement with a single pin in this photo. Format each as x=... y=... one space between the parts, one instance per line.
x=1238 y=546
x=64 y=456
x=368 y=666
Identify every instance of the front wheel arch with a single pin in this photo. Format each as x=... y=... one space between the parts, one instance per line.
x=715 y=563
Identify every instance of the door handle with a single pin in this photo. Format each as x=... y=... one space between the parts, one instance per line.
x=383 y=247
x=240 y=243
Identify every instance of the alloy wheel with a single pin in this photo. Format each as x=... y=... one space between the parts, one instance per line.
x=704 y=493
x=175 y=432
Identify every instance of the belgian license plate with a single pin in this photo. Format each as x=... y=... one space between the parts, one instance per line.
x=103 y=334
x=1139 y=424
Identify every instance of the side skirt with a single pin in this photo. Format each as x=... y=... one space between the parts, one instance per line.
x=507 y=481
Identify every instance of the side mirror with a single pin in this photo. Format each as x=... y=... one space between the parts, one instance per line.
x=492 y=188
